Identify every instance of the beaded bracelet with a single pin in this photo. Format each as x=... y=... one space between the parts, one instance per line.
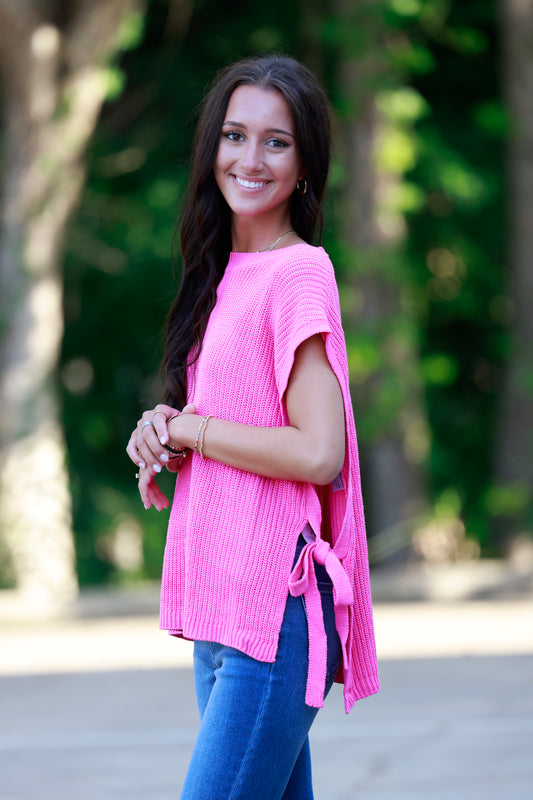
x=178 y=455
x=171 y=449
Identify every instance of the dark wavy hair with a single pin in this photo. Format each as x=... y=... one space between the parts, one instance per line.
x=206 y=218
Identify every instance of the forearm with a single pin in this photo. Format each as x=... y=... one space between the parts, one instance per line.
x=286 y=452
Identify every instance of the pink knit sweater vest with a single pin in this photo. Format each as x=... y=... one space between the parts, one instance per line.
x=232 y=534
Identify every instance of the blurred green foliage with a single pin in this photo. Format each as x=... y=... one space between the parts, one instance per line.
x=444 y=132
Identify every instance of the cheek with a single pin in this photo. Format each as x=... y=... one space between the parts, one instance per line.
x=224 y=157
x=219 y=171
x=291 y=174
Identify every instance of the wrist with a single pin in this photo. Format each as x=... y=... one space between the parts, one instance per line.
x=182 y=430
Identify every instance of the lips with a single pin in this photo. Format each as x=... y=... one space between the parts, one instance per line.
x=245 y=184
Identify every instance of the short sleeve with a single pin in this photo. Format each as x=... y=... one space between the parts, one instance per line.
x=305 y=293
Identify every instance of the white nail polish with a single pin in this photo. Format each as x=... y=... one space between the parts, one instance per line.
x=157 y=467
x=163 y=457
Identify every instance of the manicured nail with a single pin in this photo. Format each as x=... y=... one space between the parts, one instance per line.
x=157 y=467
x=146 y=507
x=164 y=457
x=164 y=439
x=142 y=465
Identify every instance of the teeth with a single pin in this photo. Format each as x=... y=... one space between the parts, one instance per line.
x=250 y=184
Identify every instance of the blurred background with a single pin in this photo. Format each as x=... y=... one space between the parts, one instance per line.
x=428 y=223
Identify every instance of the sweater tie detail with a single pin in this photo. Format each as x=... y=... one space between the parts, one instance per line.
x=302 y=581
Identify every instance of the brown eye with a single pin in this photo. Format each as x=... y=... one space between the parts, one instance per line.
x=233 y=136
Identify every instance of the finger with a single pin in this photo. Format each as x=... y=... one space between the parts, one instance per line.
x=190 y=408
x=150 y=492
x=144 y=481
x=146 y=455
x=157 y=497
x=157 y=454
x=161 y=415
x=160 y=420
x=157 y=421
x=168 y=411
x=148 y=444
x=132 y=451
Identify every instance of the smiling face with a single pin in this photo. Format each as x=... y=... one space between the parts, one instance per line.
x=258 y=163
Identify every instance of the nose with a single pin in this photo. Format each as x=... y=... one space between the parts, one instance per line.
x=251 y=158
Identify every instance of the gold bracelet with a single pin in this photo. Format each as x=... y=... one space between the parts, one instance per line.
x=195 y=448
x=199 y=443
x=202 y=435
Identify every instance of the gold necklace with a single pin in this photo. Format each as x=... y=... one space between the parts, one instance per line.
x=278 y=240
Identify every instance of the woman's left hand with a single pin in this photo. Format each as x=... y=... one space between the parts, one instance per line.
x=146 y=444
x=151 y=494
x=147 y=452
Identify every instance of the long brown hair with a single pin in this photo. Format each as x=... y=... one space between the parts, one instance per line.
x=206 y=220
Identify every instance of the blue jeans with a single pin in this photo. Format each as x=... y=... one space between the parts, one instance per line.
x=253 y=741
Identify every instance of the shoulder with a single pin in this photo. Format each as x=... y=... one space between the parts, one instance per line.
x=303 y=264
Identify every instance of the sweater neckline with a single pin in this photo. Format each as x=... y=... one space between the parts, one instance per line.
x=262 y=254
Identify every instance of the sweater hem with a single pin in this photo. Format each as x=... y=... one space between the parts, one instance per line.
x=245 y=641
x=359 y=691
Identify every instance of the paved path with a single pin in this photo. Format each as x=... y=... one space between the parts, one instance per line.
x=103 y=709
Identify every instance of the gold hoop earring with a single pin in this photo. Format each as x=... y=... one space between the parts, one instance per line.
x=299 y=186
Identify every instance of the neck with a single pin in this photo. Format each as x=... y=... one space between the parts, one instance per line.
x=252 y=236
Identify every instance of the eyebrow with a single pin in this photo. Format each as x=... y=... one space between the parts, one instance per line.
x=268 y=130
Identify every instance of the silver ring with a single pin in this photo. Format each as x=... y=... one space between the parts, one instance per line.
x=146 y=423
x=137 y=475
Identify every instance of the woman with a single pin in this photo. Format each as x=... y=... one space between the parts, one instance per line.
x=265 y=564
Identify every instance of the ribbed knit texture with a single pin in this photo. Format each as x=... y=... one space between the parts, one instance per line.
x=232 y=534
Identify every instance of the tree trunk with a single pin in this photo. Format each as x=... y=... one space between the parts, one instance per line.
x=52 y=59
x=513 y=503
x=372 y=237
